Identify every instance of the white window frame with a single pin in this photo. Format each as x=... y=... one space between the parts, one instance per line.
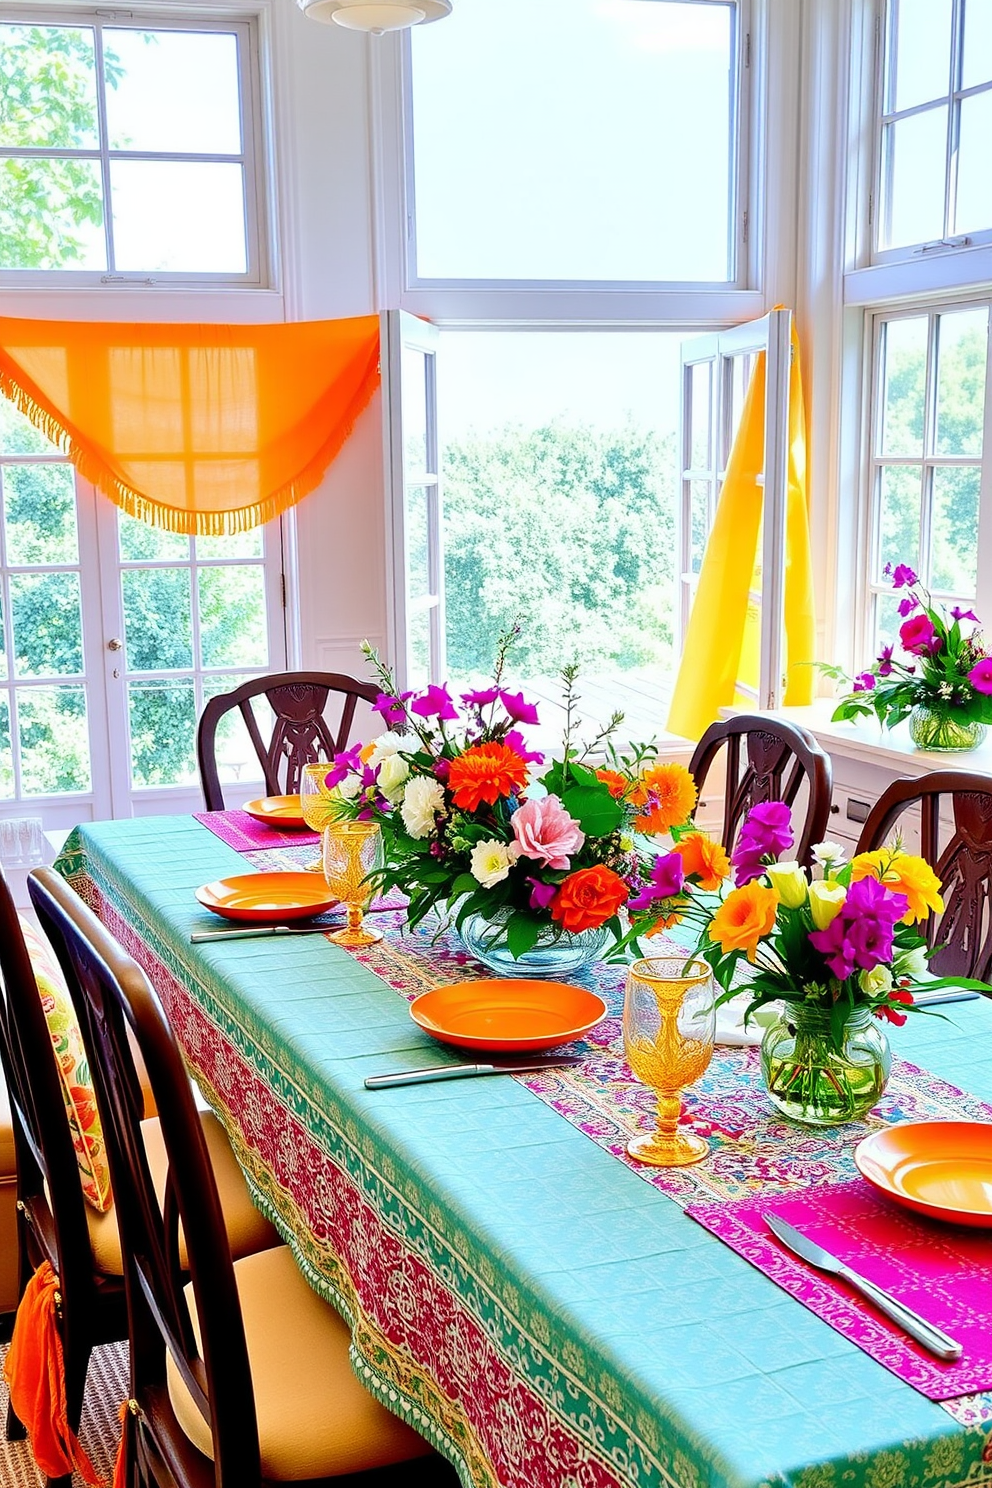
x=252 y=157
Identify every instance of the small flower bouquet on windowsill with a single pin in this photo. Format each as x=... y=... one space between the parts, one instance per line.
x=945 y=690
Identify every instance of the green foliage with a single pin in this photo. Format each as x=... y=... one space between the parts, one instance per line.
x=569 y=531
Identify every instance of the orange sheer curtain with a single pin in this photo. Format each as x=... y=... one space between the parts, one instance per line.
x=203 y=429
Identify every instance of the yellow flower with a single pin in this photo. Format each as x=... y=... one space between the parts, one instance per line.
x=745 y=916
x=905 y=874
x=826 y=900
x=789 y=882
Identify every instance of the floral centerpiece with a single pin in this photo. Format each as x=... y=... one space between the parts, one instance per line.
x=945 y=688
x=825 y=959
x=533 y=860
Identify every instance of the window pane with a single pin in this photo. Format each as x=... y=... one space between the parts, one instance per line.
x=140 y=541
x=700 y=392
x=162 y=718
x=3 y=642
x=899 y=525
x=48 y=633
x=232 y=617
x=700 y=500
x=418 y=571
x=18 y=436
x=962 y=358
x=173 y=90
x=414 y=385
x=236 y=757
x=887 y=621
x=51 y=215
x=6 y=754
x=54 y=739
x=914 y=165
x=973 y=211
x=419 y=647
x=905 y=373
x=549 y=140
x=48 y=99
x=40 y=513
x=955 y=529
x=241 y=545
x=977 y=64
x=179 y=216
x=157 y=620
x=919 y=51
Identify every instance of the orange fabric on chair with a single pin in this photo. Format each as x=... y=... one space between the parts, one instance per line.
x=35 y=1372
x=203 y=429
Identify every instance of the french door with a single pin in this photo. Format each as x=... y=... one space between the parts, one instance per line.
x=112 y=636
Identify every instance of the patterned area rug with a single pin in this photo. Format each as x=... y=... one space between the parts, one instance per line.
x=106 y=1387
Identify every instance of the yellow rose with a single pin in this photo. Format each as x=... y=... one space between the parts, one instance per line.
x=904 y=874
x=826 y=900
x=789 y=882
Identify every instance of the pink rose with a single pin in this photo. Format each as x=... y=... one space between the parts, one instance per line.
x=544 y=830
x=917 y=635
x=980 y=676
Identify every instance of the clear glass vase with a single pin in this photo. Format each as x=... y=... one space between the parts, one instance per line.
x=812 y=1081
x=930 y=728
x=558 y=953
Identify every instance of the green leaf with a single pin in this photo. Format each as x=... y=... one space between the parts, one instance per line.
x=522 y=932
x=465 y=883
x=595 y=810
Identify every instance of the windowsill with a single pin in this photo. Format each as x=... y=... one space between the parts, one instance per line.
x=865 y=740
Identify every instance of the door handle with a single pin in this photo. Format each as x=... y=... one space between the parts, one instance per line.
x=116 y=644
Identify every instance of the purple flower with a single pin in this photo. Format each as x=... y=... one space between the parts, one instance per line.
x=541 y=894
x=434 y=703
x=442 y=768
x=917 y=635
x=908 y=605
x=958 y=614
x=391 y=708
x=980 y=675
x=902 y=575
x=518 y=710
x=765 y=835
x=481 y=698
x=861 y=935
x=865 y=682
x=515 y=741
x=343 y=765
x=665 y=882
x=885 y=662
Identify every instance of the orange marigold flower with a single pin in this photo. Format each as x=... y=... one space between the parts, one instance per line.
x=588 y=898
x=668 y=792
x=664 y=923
x=704 y=858
x=616 y=783
x=745 y=916
x=484 y=773
x=905 y=874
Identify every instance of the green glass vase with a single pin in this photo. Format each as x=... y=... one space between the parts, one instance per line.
x=930 y=728
x=813 y=1081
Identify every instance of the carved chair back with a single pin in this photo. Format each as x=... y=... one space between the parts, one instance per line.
x=300 y=735
x=962 y=860
x=767 y=759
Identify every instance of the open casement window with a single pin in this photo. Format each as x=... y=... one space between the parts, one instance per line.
x=716 y=370
x=416 y=559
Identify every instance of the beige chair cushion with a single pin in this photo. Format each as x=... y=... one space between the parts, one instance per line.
x=315 y=1420
x=247 y=1229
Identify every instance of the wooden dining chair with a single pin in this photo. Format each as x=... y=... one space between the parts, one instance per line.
x=300 y=735
x=767 y=759
x=240 y=1375
x=961 y=857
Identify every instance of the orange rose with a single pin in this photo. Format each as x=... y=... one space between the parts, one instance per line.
x=669 y=794
x=588 y=898
x=703 y=857
x=747 y=914
x=616 y=783
x=484 y=773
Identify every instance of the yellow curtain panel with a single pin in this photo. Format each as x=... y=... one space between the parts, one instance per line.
x=202 y=429
x=722 y=642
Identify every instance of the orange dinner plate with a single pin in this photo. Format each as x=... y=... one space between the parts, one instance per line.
x=267 y=896
x=278 y=811
x=507 y=1014
x=939 y=1168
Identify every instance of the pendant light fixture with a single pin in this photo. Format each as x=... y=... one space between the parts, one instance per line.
x=376 y=16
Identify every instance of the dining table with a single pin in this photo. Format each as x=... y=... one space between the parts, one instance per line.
x=545 y=1312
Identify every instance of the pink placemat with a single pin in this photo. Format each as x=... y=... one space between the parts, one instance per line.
x=245 y=834
x=943 y=1272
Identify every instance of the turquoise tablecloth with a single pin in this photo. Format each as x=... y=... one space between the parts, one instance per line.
x=545 y=1316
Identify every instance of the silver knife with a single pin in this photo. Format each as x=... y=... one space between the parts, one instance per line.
x=463 y=1072
x=925 y=1333
x=199 y=936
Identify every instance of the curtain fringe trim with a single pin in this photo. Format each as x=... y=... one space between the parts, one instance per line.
x=175 y=519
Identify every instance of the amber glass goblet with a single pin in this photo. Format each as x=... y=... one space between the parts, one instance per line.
x=352 y=850
x=315 y=804
x=669 y=1020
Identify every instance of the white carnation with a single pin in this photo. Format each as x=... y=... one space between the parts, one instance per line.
x=385 y=747
x=393 y=772
x=349 y=788
x=491 y=862
x=422 y=800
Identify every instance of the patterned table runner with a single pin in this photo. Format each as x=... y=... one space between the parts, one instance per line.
x=245 y=834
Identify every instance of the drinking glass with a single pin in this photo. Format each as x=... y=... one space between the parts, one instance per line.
x=315 y=804
x=352 y=850
x=669 y=1020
